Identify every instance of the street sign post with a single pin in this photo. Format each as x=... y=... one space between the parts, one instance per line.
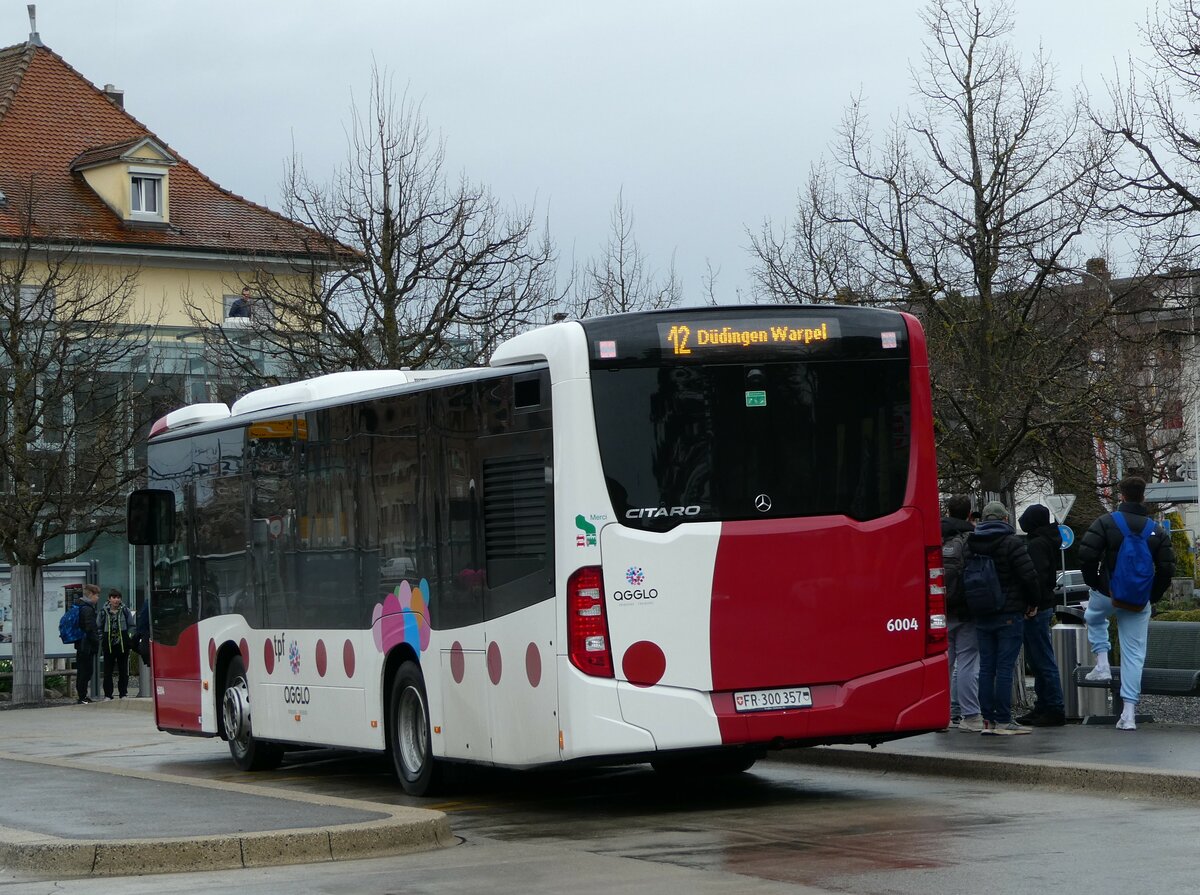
x=1068 y=536
x=1060 y=505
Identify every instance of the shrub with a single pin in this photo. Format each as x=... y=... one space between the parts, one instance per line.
x=1178 y=615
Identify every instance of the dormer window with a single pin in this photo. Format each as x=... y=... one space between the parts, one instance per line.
x=146 y=195
x=133 y=178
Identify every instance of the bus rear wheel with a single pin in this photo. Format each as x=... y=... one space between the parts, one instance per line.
x=408 y=733
x=249 y=754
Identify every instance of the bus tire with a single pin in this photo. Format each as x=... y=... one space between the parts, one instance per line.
x=409 y=739
x=249 y=753
x=735 y=760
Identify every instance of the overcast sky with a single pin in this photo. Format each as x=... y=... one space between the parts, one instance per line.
x=706 y=114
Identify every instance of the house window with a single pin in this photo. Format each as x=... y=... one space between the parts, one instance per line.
x=146 y=191
x=35 y=303
x=260 y=307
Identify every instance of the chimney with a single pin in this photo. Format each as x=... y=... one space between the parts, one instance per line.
x=35 y=39
x=117 y=96
x=1098 y=268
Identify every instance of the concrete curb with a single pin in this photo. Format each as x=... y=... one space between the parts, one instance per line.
x=399 y=831
x=1087 y=778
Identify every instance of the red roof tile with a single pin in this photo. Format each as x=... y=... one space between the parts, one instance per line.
x=103 y=154
x=50 y=115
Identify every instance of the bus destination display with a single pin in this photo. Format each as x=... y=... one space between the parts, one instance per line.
x=728 y=337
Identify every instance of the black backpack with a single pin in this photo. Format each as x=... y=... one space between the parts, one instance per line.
x=953 y=560
x=981 y=583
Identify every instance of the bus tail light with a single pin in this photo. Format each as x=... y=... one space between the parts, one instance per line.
x=587 y=623
x=935 y=633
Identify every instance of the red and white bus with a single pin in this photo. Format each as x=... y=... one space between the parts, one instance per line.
x=681 y=537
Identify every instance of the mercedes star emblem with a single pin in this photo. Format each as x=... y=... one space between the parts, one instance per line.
x=762 y=503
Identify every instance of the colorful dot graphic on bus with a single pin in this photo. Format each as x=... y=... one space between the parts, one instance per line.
x=402 y=617
x=635 y=576
x=294 y=657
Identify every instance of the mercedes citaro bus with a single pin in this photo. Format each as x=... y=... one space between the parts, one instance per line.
x=680 y=537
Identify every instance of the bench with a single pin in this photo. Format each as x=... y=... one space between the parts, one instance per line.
x=1172 y=666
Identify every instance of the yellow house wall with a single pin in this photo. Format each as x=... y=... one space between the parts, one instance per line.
x=111 y=183
x=162 y=294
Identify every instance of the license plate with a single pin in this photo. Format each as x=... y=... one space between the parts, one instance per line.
x=772 y=700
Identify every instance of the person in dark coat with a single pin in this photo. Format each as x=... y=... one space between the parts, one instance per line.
x=962 y=646
x=87 y=648
x=1045 y=545
x=1097 y=559
x=116 y=626
x=1001 y=632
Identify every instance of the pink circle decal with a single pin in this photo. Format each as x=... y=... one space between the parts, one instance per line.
x=533 y=664
x=644 y=664
x=269 y=656
x=322 y=658
x=348 y=658
x=244 y=649
x=458 y=662
x=212 y=654
x=493 y=661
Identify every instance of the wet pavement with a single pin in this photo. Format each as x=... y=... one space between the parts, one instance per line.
x=89 y=778
x=71 y=805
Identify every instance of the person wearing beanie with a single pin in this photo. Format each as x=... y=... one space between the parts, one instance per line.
x=1000 y=629
x=1044 y=544
x=1098 y=552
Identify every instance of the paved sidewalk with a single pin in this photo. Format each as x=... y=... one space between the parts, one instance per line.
x=1156 y=760
x=76 y=803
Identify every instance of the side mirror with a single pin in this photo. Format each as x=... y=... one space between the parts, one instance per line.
x=150 y=518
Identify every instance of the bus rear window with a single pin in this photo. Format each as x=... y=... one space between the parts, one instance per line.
x=752 y=441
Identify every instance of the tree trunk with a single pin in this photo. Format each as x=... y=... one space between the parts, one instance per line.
x=29 y=646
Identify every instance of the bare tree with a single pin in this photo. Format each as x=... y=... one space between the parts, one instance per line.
x=401 y=265
x=970 y=212
x=620 y=279
x=1157 y=177
x=73 y=395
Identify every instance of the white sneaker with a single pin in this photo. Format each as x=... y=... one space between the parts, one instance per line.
x=1124 y=723
x=1099 y=673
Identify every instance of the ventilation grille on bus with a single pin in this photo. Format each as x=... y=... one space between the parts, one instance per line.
x=514 y=514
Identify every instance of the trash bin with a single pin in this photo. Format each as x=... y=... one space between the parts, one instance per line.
x=1071 y=650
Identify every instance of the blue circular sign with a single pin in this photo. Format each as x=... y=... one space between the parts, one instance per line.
x=1068 y=536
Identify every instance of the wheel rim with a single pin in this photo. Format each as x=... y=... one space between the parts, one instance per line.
x=412 y=732
x=235 y=708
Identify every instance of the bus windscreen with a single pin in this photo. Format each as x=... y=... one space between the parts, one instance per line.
x=715 y=442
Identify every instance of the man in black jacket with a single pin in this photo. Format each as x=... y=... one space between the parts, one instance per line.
x=1001 y=630
x=1097 y=560
x=86 y=649
x=1044 y=544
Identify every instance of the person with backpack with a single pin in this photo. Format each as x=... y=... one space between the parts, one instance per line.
x=1045 y=545
x=116 y=638
x=999 y=583
x=962 y=647
x=88 y=645
x=1127 y=561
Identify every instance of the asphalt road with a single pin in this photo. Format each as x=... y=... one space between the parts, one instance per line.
x=782 y=828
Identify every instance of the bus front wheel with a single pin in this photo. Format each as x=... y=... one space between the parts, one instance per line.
x=408 y=732
x=249 y=754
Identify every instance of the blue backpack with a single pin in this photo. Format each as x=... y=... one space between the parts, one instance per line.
x=69 y=629
x=981 y=584
x=1132 y=576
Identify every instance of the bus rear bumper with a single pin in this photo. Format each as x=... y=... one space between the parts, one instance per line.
x=909 y=699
